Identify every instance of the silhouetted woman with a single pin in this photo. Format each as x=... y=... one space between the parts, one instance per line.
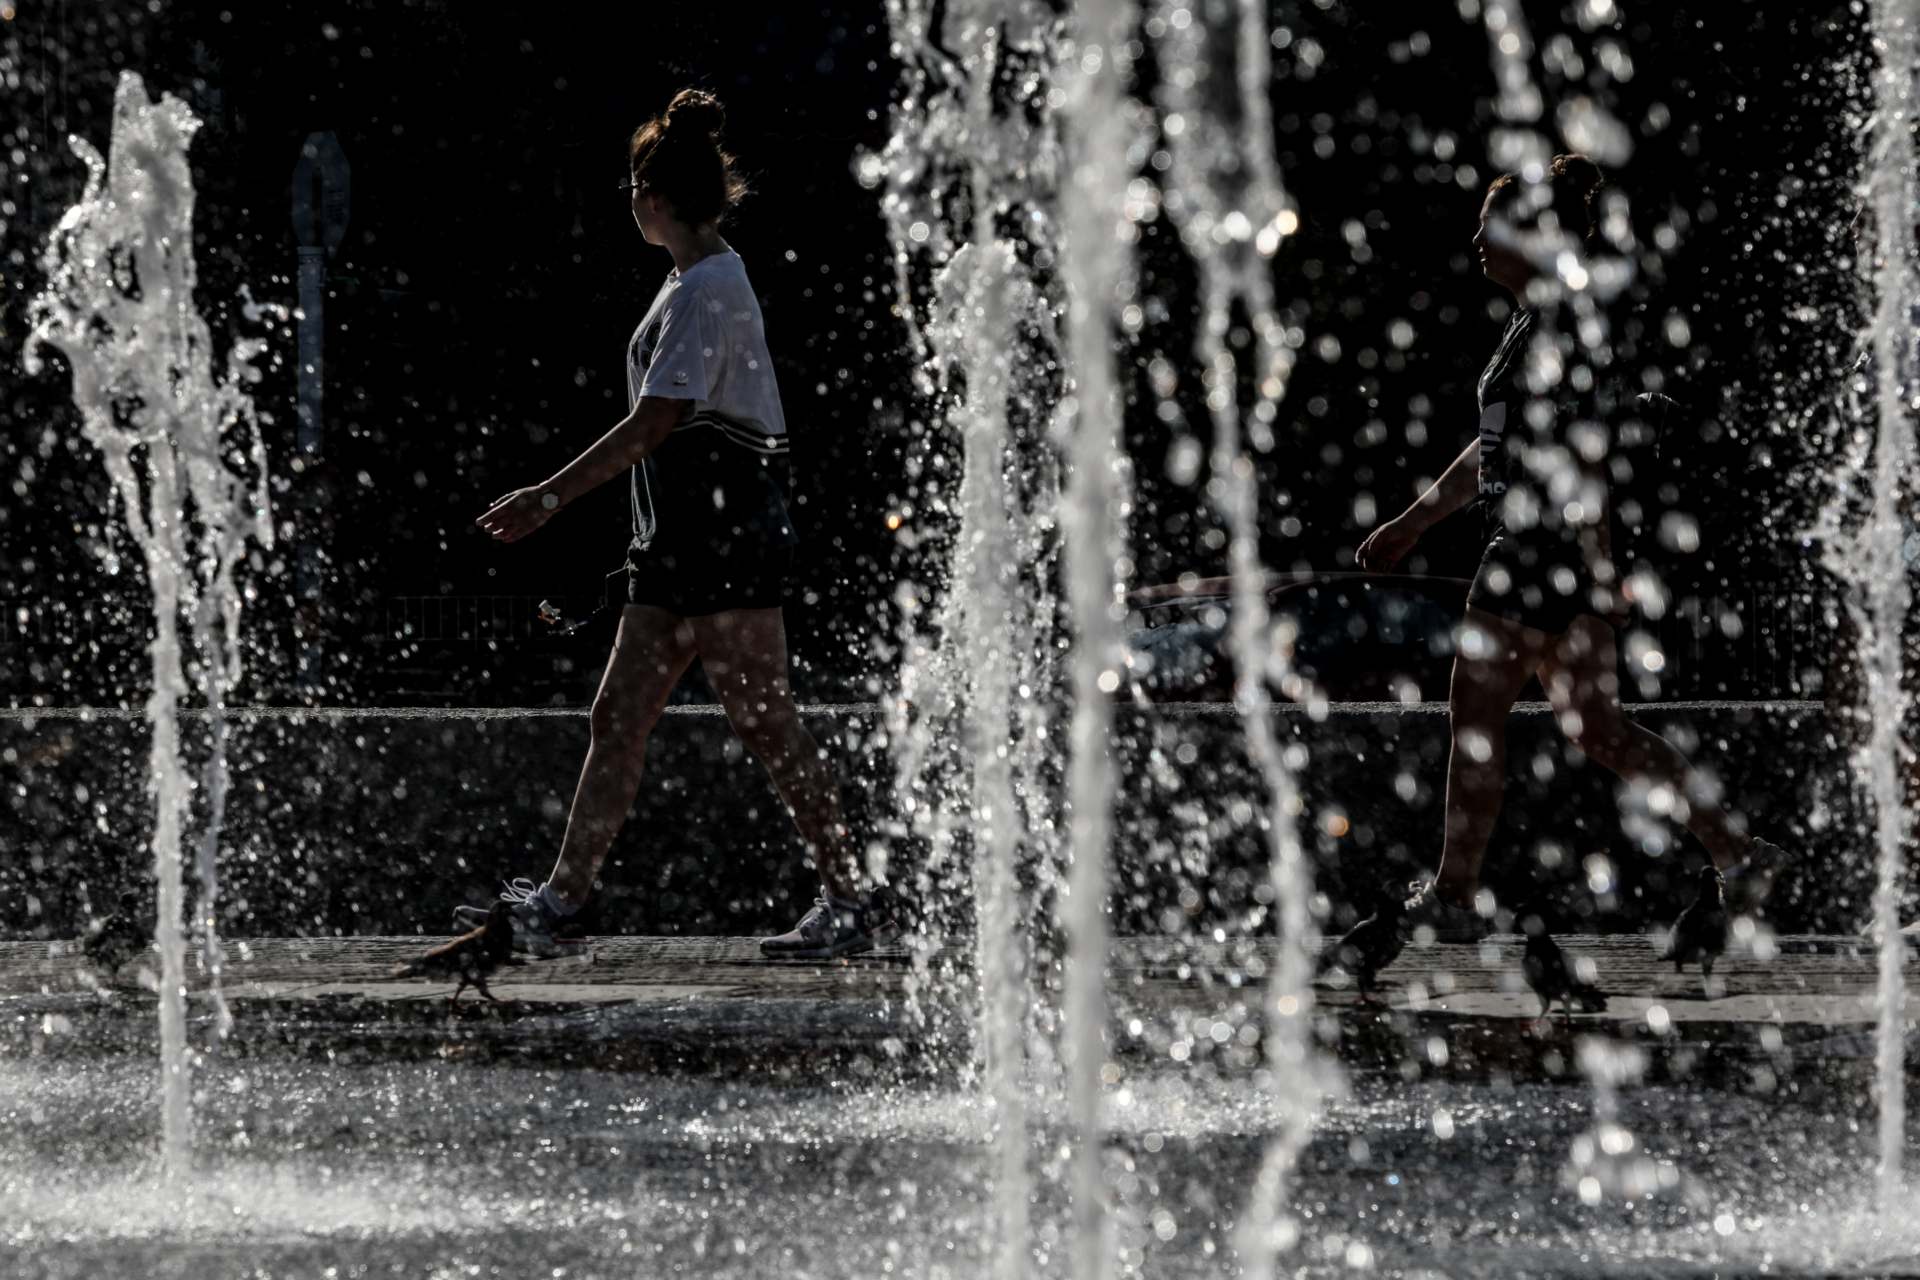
x=704 y=449
x=1545 y=599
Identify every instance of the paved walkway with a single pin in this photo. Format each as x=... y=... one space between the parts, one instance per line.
x=1791 y=1005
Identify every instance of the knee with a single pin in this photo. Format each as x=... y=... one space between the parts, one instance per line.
x=771 y=733
x=619 y=722
x=1600 y=731
x=1478 y=710
x=1482 y=693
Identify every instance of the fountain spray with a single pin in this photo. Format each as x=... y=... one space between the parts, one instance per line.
x=182 y=447
x=1879 y=574
x=970 y=725
x=1095 y=129
x=1234 y=216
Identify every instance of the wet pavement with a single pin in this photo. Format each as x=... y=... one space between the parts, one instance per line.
x=430 y=1170
x=681 y=1107
x=1774 y=1008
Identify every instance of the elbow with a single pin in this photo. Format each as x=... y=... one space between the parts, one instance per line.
x=647 y=431
x=651 y=425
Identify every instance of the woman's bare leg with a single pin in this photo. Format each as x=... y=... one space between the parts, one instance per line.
x=744 y=653
x=1581 y=676
x=1491 y=667
x=650 y=654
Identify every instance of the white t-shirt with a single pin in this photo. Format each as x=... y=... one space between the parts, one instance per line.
x=703 y=340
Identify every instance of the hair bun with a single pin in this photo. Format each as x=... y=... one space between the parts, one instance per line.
x=1580 y=170
x=698 y=110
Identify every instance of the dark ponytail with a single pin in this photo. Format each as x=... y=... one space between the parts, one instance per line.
x=678 y=157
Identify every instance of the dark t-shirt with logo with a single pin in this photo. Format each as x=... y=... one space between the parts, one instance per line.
x=1503 y=408
x=1528 y=405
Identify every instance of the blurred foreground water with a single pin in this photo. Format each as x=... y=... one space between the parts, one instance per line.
x=425 y=1169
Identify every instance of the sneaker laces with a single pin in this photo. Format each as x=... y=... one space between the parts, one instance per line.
x=518 y=890
x=523 y=892
x=831 y=912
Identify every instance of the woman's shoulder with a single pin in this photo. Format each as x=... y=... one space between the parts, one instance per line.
x=715 y=270
x=717 y=278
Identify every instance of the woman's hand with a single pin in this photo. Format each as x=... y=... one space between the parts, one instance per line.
x=1386 y=546
x=515 y=515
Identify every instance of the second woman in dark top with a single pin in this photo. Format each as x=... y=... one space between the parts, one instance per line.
x=1545 y=599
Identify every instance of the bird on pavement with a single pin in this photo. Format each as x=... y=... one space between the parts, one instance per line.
x=1700 y=934
x=117 y=938
x=471 y=956
x=1370 y=946
x=1551 y=978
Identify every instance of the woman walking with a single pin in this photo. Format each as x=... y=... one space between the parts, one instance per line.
x=1545 y=599
x=704 y=448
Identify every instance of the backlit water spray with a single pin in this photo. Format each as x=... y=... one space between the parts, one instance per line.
x=1095 y=128
x=987 y=201
x=971 y=725
x=182 y=448
x=1873 y=565
x=984 y=197
x=988 y=308
x=1233 y=215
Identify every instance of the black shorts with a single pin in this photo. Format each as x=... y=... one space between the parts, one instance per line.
x=721 y=537
x=1539 y=579
x=711 y=577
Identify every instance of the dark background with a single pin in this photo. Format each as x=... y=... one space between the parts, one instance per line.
x=490 y=275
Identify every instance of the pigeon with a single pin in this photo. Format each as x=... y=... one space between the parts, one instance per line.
x=1369 y=946
x=1700 y=934
x=1548 y=973
x=471 y=956
x=111 y=942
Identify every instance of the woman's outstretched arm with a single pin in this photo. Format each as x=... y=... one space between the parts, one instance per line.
x=621 y=449
x=515 y=515
x=1453 y=490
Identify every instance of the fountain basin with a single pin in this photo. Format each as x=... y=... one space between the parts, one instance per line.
x=352 y=1123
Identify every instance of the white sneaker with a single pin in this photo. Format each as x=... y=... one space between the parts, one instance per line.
x=533 y=923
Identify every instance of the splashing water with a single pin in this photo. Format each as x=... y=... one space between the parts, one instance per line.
x=971 y=724
x=1000 y=951
x=993 y=297
x=954 y=144
x=1095 y=267
x=976 y=131
x=1607 y=1161
x=1233 y=215
x=182 y=447
x=973 y=773
x=1872 y=564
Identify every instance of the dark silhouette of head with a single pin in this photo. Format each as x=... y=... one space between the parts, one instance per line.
x=676 y=158
x=1563 y=202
